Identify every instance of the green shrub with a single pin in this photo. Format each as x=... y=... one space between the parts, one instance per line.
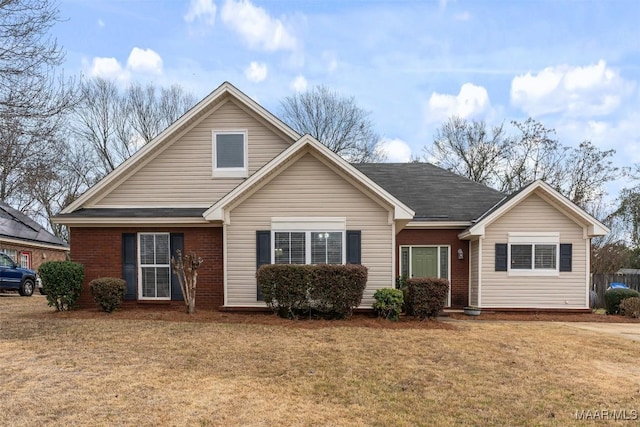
x=108 y=292
x=62 y=283
x=328 y=290
x=630 y=307
x=426 y=296
x=613 y=298
x=284 y=288
x=388 y=303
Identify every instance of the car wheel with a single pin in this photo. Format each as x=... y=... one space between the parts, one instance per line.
x=26 y=289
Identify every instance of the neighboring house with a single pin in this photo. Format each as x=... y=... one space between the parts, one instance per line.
x=233 y=183
x=27 y=242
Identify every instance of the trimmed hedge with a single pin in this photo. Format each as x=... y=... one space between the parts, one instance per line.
x=108 y=292
x=388 y=303
x=613 y=298
x=426 y=296
x=62 y=283
x=332 y=291
x=630 y=307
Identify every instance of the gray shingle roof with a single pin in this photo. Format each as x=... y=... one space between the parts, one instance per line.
x=433 y=193
x=135 y=213
x=16 y=225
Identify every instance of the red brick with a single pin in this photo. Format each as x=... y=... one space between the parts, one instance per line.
x=100 y=251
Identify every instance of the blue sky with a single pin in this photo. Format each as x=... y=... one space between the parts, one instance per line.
x=574 y=65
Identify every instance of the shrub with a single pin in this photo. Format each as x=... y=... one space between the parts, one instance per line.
x=613 y=298
x=426 y=296
x=630 y=307
x=62 y=283
x=329 y=290
x=108 y=292
x=388 y=303
x=284 y=288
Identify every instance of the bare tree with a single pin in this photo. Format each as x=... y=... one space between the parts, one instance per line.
x=533 y=154
x=33 y=97
x=151 y=111
x=335 y=121
x=115 y=123
x=470 y=149
x=186 y=268
x=589 y=169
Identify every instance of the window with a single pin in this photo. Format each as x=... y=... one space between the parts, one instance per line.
x=25 y=259
x=289 y=248
x=533 y=253
x=230 y=154
x=308 y=241
x=154 y=266
x=11 y=253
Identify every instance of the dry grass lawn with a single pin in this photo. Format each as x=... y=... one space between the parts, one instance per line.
x=146 y=368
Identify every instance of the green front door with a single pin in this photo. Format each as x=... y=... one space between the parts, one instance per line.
x=424 y=262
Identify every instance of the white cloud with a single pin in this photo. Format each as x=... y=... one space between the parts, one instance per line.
x=256 y=72
x=101 y=23
x=299 y=84
x=472 y=101
x=258 y=29
x=108 y=68
x=203 y=10
x=573 y=91
x=144 y=61
x=396 y=150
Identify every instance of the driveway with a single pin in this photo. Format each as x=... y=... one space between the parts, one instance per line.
x=625 y=330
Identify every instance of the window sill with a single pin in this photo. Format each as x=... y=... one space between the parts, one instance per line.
x=221 y=173
x=539 y=273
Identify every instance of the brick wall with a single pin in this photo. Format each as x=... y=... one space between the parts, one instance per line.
x=459 y=267
x=100 y=251
x=38 y=255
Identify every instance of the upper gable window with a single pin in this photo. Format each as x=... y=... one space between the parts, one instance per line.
x=230 y=154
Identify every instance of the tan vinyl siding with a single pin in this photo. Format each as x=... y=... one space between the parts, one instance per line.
x=181 y=174
x=473 y=272
x=568 y=290
x=307 y=188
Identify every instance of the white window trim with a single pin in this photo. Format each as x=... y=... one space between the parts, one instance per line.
x=533 y=239
x=140 y=293
x=217 y=172
x=448 y=278
x=308 y=226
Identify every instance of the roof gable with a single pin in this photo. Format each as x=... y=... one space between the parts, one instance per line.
x=548 y=194
x=219 y=96
x=219 y=210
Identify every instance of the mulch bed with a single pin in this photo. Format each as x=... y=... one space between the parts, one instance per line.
x=359 y=319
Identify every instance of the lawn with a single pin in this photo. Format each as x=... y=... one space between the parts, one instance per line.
x=147 y=368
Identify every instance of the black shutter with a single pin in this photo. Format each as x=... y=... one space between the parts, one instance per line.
x=501 y=257
x=565 y=256
x=129 y=265
x=176 y=242
x=263 y=253
x=354 y=251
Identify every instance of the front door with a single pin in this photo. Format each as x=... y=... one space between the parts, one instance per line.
x=424 y=262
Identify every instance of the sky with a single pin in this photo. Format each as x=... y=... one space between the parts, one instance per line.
x=573 y=65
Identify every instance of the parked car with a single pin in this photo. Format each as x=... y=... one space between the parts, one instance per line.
x=15 y=278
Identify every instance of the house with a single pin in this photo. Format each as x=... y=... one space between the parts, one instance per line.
x=233 y=183
x=26 y=241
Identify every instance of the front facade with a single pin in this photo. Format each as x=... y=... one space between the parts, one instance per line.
x=231 y=182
